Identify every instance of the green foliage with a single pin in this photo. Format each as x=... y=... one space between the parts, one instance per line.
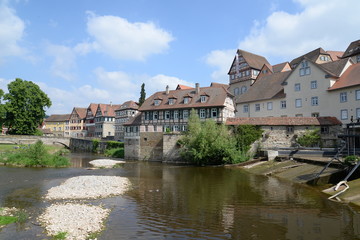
x=142 y=95
x=35 y=155
x=209 y=143
x=95 y=145
x=311 y=138
x=115 y=152
x=38 y=133
x=352 y=159
x=60 y=236
x=24 y=107
x=4 y=220
x=247 y=135
x=114 y=144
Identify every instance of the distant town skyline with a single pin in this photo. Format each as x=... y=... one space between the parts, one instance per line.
x=86 y=51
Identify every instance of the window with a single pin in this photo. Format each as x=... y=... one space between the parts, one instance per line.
x=257 y=107
x=202 y=113
x=243 y=89
x=358 y=58
x=298 y=115
x=358 y=113
x=315 y=114
x=256 y=72
x=186 y=114
x=269 y=106
x=155 y=115
x=176 y=128
x=343 y=97
x=313 y=84
x=304 y=69
x=324 y=130
x=314 y=101
x=236 y=91
x=176 y=114
x=246 y=108
x=167 y=114
x=171 y=101
x=298 y=102
x=357 y=94
x=283 y=104
x=156 y=102
x=214 y=112
x=290 y=129
x=297 y=87
x=186 y=100
x=344 y=114
x=203 y=98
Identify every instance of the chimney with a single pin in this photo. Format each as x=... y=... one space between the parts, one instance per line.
x=167 y=89
x=197 y=86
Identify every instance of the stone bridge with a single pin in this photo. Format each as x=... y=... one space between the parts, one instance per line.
x=25 y=139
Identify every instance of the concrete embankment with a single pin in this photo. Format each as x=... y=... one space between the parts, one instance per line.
x=307 y=170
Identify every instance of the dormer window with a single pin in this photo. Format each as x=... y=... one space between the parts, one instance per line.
x=186 y=100
x=157 y=102
x=171 y=101
x=203 y=98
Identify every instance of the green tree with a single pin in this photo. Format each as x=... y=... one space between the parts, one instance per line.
x=209 y=143
x=142 y=95
x=24 y=107
x=310 y=138
x=246 y=135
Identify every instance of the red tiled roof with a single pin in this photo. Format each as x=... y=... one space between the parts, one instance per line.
x=353 y=49
x=351 y=77
x=334 y=68
x=312 y=56
x=217 y=95
x=134 y=121
x=93 y=107
x=179 y=87
x=280 y=67
x=335 y=55
x=108 y=109
x=283 y=121
x=58 y=118
x=81 y=112
x=128 y=105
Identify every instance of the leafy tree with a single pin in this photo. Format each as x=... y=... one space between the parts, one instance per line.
x=310 y=138
x=209 y=143
x=24 y=107
x=142 y=95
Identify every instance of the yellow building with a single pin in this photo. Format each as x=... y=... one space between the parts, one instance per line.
x=58 y=124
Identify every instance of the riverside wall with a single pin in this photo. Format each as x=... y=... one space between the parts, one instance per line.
x=28 y=139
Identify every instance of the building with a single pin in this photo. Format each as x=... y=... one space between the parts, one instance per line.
x=127 y=110
x=105 y=121
x=318 y=84
x=58 y=124
x=77 y=122
x=90 y=119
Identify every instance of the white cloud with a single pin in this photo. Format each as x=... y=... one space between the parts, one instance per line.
x=11 y=32
x=121 y=39
x=330 y=24
x=160 y=81
x=64 y=63
x=221 y=60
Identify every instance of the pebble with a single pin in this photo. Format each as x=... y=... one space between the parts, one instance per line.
x=106 y=163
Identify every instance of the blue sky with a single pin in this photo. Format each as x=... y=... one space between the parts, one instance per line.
x=86 y=51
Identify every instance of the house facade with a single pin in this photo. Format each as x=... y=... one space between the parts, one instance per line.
x=105 y=121
x=122 y=115
x=315 y=86
x=90 y=119
x=58 y=125
x=77 y=122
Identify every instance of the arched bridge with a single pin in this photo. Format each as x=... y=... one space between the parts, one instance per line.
x=22 y=139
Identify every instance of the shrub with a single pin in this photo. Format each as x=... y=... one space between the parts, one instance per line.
x=115 y=152
x=114 y=144
x=311 y=138
x=246 y=135
x=352 y=159
x=95 y=145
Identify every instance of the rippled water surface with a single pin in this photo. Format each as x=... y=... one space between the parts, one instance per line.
x=182 y=202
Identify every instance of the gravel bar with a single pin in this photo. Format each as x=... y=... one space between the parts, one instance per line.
x=89 y=187
x=77 y=220
x=106 y=163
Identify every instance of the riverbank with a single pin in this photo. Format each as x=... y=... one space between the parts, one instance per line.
x=307 y=171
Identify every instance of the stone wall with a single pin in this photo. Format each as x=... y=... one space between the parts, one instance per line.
x=132 y=148
x=171 y=150
x=151 y=146
x=27 y=139
x=86 y=145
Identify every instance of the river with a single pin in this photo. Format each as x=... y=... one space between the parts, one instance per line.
x=185 y=202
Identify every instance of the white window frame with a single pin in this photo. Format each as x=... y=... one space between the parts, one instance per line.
x=298 y=103
x=357 y=113
x=214 y=113
x=155 y=115
x=236 y=91
x=176 y=114
x=313 y=84
x=186 y=100
x=344 y=114
x=257 y=107
x=246 y=108
x=343 y=97
x=171 y=101
x=314 y=101
x=269 y=106
x=156 y=102
x=202 y=113
x=167 y=115
x=186 y=114
x=357 y=94
x=304 y=69
x=203 y=98
x=297 y=87
x=283 y=104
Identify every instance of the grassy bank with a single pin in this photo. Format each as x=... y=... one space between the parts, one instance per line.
x=8 y=216
x=34 y=155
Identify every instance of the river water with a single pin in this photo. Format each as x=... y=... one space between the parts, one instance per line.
x=184 y=202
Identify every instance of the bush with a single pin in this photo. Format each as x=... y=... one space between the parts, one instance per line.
x=352 y=159
x=246 y=135
x=115 y=152
x=95 y=145
x=114 y=144
x=311 y=138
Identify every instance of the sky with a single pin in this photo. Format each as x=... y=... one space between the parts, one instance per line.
x=89 y=51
